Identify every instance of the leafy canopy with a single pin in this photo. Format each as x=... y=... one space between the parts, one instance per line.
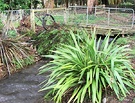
x=18 y=4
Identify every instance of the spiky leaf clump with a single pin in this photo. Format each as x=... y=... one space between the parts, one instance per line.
x=84 y=69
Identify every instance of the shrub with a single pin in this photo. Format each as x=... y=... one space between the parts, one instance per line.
x=12 y=53
x=84 y=69
x=51 y=39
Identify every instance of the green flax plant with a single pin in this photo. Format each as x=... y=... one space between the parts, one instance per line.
x=87 y=67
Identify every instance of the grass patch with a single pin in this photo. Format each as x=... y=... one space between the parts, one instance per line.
x=122 y=41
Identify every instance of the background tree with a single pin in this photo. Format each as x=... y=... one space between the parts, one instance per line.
x=27 y=4
x=56 y=3
x=106 y=2
x=48 y=3
x=19 y=4
x=3 y=5
x=43 y=3
x=90 y=4
x=67 y=1
x=35 y=3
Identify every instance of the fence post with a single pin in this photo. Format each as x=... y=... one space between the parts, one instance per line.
x=87 y=15
x=65 y=16
x=32 y=17
x=20 y=14
x=95 y=10
x=108 y=16
x=132 y=18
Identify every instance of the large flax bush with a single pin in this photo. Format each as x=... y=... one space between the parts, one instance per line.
x=83 y=70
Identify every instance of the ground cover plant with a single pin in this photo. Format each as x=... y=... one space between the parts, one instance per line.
x=85 y=69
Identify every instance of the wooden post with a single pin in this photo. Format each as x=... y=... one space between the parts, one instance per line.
x=20 y=14
x=32 y=20
x=65 y=16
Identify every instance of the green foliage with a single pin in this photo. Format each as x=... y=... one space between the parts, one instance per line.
x=28 y=33
x=59 y=19
x=38 y=21
x=122 y=41
x=133 y=100
x=131 y=40
x=18 y=4
x=84 y=69
x=128 y=4
x=13 y=52
x=12 y=34
x=3 y=5
x=1 y=25
x=133 y=52
x=49 y=40
x=132 y=37
x=23 y=62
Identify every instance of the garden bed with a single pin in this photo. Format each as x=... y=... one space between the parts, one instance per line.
x=109 y=96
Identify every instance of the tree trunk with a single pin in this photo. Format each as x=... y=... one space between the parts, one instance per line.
x=43 y=3
x=91 y=4
x=76 y=2
x=84 y=2
x=73 y=2
x=56 y=2
x=66 y=3
x=81 y=2
x=51 y=3
x=105 y=2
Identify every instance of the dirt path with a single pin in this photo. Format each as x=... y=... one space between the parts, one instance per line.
x=22 y=87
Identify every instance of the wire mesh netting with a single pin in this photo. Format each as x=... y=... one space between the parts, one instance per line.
x=101 y=16
x=14 y=17
x=58 y=15
x=46 y=18
x=13 y=21
x=74 y=15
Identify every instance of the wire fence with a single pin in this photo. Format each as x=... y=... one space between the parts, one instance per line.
x=39 y=16
x=14 y=15
x=57 y=13
x=101 y=16
x=11 y=21
x=31 y=18
x=74 y=15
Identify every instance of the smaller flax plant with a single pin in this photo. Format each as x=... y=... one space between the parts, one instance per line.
x=12 y=50
x=84 y=69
